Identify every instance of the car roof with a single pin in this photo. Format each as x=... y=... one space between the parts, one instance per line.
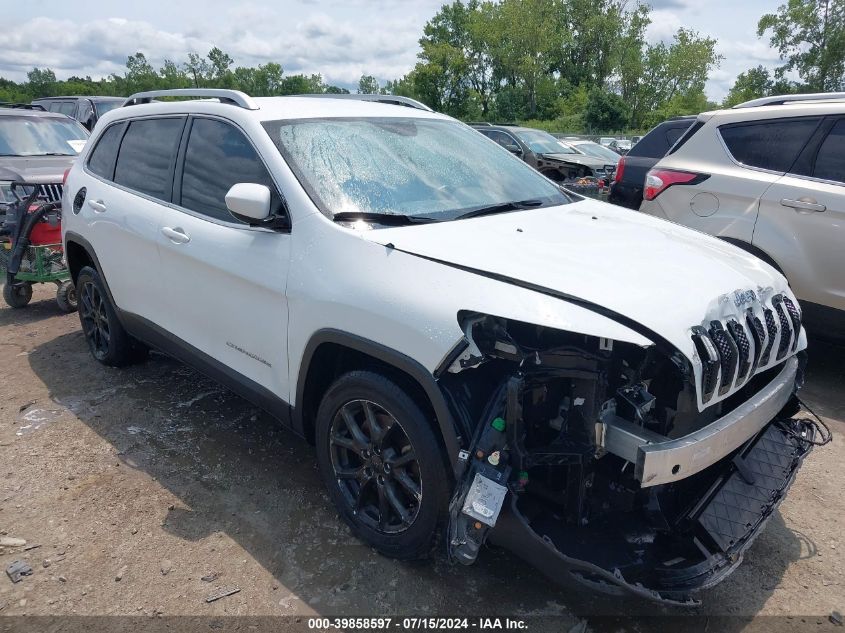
x=98 y=98
x=787 y=110
x=32 y=113
x=276 y=108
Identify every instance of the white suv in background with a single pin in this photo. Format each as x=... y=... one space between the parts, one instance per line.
x=474 y=351
x=768 y=176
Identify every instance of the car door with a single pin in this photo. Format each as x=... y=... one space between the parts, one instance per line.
x=224 y=280
x=801 y=224
x=132 y=164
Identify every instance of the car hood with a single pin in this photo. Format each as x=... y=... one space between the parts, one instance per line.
x=579 y=159
x=659 y=275
x=36 y=169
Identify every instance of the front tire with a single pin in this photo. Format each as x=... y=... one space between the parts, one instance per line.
x=108 y=341
x=382 y=465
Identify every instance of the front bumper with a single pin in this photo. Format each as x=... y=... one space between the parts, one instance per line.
x=659 y=460
x=728 y=516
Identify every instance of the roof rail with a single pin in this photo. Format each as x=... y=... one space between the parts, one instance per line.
x=22 y=106
x=388 y=99
x=232 y=97
x=787 y=99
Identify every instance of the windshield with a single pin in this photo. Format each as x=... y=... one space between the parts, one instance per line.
x=40 y=136
x=598 y=151
x=543 y=143
x=420 y=167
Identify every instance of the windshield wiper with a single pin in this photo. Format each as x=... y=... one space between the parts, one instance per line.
x=502 y=207
x=51 y=154
x=382 y=218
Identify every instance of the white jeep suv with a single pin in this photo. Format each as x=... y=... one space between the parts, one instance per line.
x=474 y=351
x=768 y=176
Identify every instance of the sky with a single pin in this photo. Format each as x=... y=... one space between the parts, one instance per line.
x=340 y=39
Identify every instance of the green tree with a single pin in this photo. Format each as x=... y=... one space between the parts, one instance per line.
x=219 y=64
x=810 y=37
x=41 y=82
x=368 y=85
x=605 y=112
x=752 y=84
x=197 y=69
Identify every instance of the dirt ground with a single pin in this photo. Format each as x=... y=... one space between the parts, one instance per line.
x=147 y=489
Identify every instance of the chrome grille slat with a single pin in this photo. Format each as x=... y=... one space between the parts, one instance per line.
x=728 y=355
x=709 y=362
x=771 y=332
x=758 y=333
x=743 y=346
x=785 y=328
x=50 y=192
x=732 y=350
x=795 y=316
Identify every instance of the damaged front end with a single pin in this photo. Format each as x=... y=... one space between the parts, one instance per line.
x=590 y=458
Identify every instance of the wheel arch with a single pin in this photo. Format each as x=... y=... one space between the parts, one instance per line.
x=754 y=250
x=79 y=253
x=330 y=352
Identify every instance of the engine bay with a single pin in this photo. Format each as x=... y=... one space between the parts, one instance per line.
x=537 y=405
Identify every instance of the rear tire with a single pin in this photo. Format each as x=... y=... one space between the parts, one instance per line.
x=66 y=297
x=109 y=343
x=17 y=295
x=388 y=483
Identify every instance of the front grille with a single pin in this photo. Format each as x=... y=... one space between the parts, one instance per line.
x=732 y=351
x=51 y=193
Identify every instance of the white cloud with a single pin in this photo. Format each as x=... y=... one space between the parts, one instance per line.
x=319 y=43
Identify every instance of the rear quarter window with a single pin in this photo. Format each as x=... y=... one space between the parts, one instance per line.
x=773 y=145
x=104 y=154
x=656 y=143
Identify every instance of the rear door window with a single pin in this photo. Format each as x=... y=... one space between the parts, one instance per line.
x=147 y=154
x=67 y=107
x=501 y=138
x=773 y=145
x=104 y=153
x=218 y=156
x=830 y=161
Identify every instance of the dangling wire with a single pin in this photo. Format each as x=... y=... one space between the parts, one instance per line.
x=819 y=425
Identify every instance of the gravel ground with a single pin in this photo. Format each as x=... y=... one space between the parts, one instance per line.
x=147 y=489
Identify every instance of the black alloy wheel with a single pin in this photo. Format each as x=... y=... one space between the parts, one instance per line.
x=375 y=466
x=95 y=319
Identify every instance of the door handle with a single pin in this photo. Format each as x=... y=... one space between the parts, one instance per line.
x=176 y=235
x=98 y=206
x=804 y=204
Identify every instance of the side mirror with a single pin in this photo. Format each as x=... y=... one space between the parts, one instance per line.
x=249 y=202
x=513 y=149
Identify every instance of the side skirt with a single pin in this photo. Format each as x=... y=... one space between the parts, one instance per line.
x=154 y=336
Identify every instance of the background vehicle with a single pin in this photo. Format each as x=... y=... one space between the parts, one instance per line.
x=628 y=183
x=594 y=149
x=545 y=153
x=36 y=147
x=621 y=146
x=770 y=179
x=465 y=342
x=86 y=110
x=606 y=140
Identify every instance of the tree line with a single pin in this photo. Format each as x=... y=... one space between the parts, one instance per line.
x=562 y=65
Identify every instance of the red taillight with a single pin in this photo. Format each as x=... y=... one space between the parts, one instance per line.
x=659 y=180
x=64 y=178
x=620 y=169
